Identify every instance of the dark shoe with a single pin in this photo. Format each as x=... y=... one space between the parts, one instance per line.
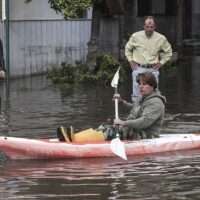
x=110 y=133
x=62 y=134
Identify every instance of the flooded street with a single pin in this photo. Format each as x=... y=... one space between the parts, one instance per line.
x=174 y=176
x=34 y=108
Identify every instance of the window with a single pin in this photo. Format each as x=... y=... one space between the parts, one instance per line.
x=157 y=7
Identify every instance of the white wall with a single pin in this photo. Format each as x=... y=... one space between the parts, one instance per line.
x=36 y=46
x=40 y=38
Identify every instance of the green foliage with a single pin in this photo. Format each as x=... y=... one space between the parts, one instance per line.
x=65 y=74
x=105 y=68
x=70 y=8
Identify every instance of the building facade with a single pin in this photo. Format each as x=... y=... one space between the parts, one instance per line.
x=40 y=38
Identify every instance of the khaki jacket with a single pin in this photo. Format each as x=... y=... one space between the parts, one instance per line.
x=146 y=119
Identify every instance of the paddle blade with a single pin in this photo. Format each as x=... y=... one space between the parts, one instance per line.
x=118 y=148
x=115 y=80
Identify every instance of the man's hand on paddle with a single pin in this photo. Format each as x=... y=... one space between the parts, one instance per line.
x=117 y=96
x=118 y=122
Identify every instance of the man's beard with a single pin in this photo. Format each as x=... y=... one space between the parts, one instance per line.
x=149 y=33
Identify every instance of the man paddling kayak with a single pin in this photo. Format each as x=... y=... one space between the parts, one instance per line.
x=144 y=121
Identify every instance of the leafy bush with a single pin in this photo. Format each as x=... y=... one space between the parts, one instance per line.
x=102 y=73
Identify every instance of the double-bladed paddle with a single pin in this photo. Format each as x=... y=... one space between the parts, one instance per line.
x=117 y=146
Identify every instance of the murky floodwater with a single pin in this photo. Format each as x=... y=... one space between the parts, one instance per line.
x=34 y=108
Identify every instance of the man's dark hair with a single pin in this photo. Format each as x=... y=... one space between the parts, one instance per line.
x=148 y=78
x=150 y=18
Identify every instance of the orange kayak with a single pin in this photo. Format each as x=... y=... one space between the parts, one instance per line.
x=24 y=148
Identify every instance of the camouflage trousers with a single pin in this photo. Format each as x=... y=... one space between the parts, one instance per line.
x=125 y=133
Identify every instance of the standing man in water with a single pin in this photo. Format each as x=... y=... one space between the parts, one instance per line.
x=146 y=51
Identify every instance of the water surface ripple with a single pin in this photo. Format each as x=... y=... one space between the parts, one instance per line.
x=35 y=108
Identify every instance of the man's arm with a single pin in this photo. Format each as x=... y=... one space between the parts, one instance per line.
x=150 y=114
x=166 y=52
x=129 y=48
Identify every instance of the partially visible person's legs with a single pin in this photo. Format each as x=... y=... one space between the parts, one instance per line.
x=88 y=135
x=156 y=74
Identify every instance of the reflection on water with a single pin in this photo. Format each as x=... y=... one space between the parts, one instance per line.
x=151 y=177
x=182 y=88
x=35 y=108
